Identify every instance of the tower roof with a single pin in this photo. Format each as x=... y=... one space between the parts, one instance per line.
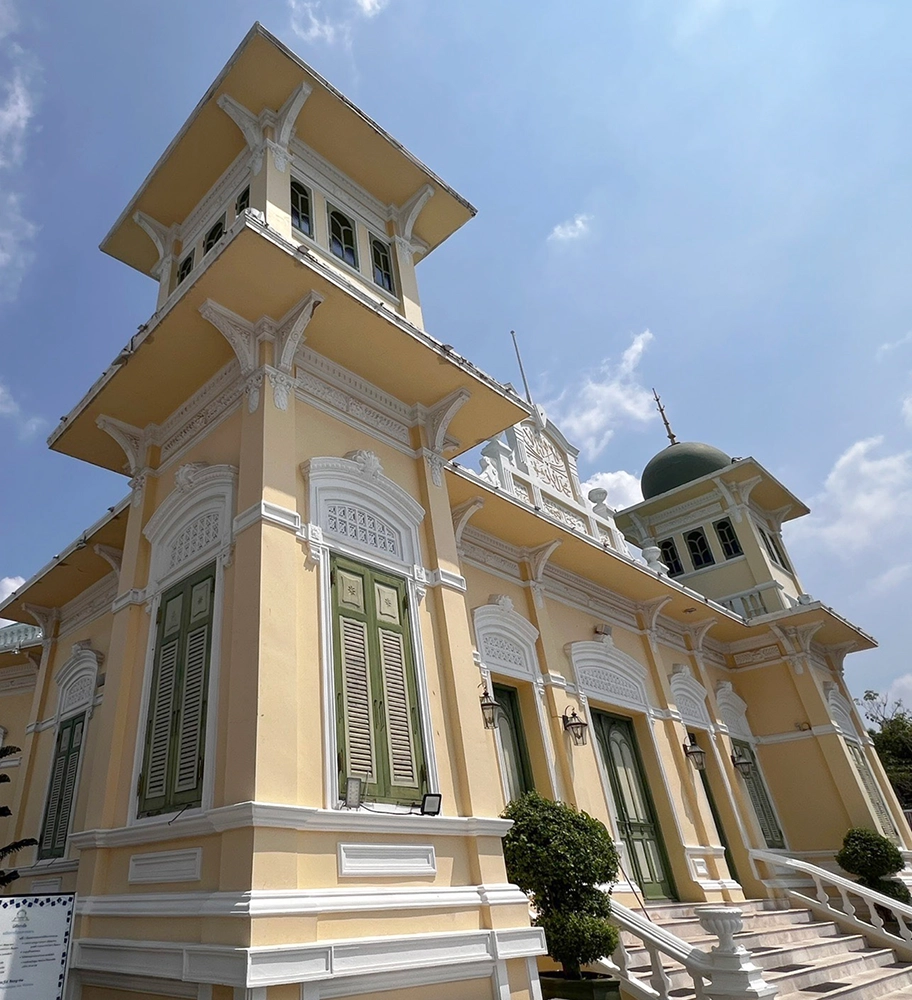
x=680 y=463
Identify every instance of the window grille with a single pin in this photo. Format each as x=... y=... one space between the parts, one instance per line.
x=670 y=557
x=300 y=209
x=383 y=269
x=700 y=552
x=342 y=238
x=728 y=539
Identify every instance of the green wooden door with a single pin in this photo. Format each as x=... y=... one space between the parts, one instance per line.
x=513 y=752
x=636 y=817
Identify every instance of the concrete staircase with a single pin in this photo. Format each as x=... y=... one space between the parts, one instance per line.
x=803 y=957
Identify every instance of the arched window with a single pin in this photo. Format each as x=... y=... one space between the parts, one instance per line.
x=383 y=268
x=670 y=557
x=700 y=552
x=342 y=237
x=728 y=539
x=300 y=209
x=214 y=235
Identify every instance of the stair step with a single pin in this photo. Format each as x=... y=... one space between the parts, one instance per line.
x=751 y=939
x=663 y=911
x=798 y=977
x=766 y=920
x=886 y=981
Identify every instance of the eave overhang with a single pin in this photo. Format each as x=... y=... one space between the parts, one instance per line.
x=261 y=74
x=514 y=522
x=73 y=570
x=768 y=494
x=256 y=272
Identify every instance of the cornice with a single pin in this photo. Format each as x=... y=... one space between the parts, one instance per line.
x=21 y=677
x=92 y=603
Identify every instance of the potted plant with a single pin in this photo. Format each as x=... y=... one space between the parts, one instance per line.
x=562 y=859
x=874 y=859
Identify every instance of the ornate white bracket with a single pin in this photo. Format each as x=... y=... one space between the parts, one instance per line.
x=287 y=115
x=45 y=618
x=131 y=439
x=441 y=415
x=838 y=653
x=113 y=557
x=797 y=642
x=407 y=215
x=239 y=333
x=698 y=633
x=778 y=515
x=742 y=491
x=463 y=513
x=538 y=559
x=250 y=127
x=161 y=236
x=290 y=334
x=651 y=610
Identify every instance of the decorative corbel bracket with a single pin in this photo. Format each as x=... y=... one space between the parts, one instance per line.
x=644 y=538
x=45 y=618
x=838 y=653
x=287 y=115
x=651 y=610
x=131 y=439
x=250 y=126
x=290 y=334
x=778 y=515
x=407 y=215
x=439 y=418
x=697 y=633
x=161 y=236
x=463 y=513
x=239 y=333
x=537 y=559
x=742 y=491
x=112 y=556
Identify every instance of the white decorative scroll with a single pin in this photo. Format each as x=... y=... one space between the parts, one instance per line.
x=690 y=697
x=605 y=674
x=505 y=640
x=733 y=710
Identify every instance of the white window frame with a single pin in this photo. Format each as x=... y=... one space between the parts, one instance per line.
x=199 y=490
x=358 y=479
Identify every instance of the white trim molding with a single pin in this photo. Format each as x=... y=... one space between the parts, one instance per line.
x=690 y=697
x=505 y=640
x=383 y=860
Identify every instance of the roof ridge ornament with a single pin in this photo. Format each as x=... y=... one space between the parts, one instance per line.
x=668 y=430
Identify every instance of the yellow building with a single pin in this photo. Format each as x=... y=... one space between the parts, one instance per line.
x=243 y=694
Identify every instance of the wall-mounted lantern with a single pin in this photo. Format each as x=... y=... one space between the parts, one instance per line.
x=489 y=709
x=694 y=753
x=742 y=762
x=576 y=727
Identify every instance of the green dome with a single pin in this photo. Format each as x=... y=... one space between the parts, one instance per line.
x=679 y=464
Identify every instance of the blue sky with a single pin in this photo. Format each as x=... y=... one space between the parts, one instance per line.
x=708 y=196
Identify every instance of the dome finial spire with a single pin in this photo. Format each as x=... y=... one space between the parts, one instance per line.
x=668 y=430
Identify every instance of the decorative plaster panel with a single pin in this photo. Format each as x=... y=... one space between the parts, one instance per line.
x=365 y=860
x=166 y=866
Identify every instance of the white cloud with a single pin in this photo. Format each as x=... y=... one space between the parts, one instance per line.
x=901 y=690
x=622 y=487
x=574 y=229
x=907 y=410
x=884 y=585
x=16 y=111
x=9 y=20
x=892 y=345
x=865 y=498
x=8 y=583
x=330 y=21
x=588 y=414
x=17 y=237
x=26 y=426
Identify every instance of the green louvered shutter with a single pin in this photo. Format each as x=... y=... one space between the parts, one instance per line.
x=172 y=772
x=63 y=788
x=759 y=796
x=376 y=694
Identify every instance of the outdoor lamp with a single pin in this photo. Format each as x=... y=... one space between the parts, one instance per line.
x=694 y=753
x=744 y=764
x=430 y=803
x=575 y=726
x=489 y=709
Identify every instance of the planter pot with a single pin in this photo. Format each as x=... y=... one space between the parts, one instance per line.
x=555 y=987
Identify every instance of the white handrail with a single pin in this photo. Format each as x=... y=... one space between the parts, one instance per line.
x=847 y=915
x=18 y=635
x=726 y=971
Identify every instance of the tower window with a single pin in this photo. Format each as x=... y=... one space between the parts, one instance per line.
x=214 y=235
x=186 y=266
x=671 y=558
x=700 y=553
x=725 y=532
x=300 y=208
x=342 y=237
x=243 y=201
x=775 y=549
x=383 y=269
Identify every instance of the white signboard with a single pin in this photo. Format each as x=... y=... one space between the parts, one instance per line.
x=34 y=944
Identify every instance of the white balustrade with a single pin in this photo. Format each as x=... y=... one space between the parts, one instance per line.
x=833 y=900
x=724 y=973
x=18 y=636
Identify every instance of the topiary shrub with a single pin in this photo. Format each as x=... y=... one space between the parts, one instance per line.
x=560 y=857
x=873 y=858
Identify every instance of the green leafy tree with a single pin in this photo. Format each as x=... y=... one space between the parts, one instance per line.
x=874 y=858
x=561 y=857
x=892 y=736
x=10 y=875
